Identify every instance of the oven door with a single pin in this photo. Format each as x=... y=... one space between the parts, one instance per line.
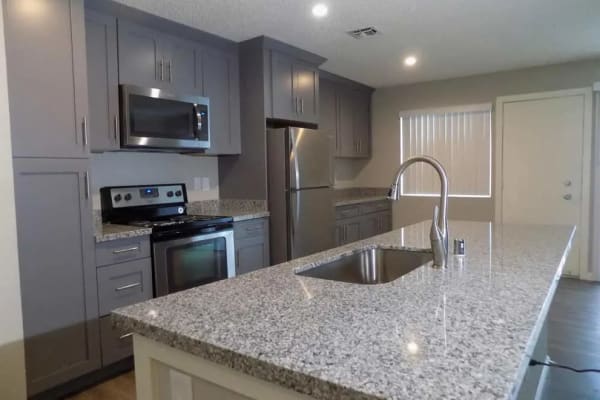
x=187 y=262
x=156 y=119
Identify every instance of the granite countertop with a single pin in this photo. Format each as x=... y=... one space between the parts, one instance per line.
x=239 y=210
x=464 y=332
x=351 y=196
x=108 y=232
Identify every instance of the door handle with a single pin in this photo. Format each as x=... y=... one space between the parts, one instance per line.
x=125 y=336
x=127 y=250
x=86 y=178
x=169 y=69
x=161 y=70
x=84 y=132
x=130 y=286
x=567 y=196
x=302 y=105
x=116 y=127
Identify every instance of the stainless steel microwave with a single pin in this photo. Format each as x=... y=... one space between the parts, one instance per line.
x=154 y=119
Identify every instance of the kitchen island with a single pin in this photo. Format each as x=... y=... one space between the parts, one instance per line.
x=464 y=332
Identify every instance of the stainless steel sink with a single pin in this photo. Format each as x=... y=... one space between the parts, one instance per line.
x=370 y=267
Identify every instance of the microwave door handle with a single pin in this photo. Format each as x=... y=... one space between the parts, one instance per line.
x=197 y=121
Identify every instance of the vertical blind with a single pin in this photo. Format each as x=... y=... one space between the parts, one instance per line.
x=460 y=138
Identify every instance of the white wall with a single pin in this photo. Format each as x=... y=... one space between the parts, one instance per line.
x=12 y=363
x=136 y=168
x=388 y=102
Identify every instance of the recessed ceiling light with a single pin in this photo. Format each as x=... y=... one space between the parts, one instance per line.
x=410 y=61
x=319 y=10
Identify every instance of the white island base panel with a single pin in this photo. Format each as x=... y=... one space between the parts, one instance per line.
x=165 y=373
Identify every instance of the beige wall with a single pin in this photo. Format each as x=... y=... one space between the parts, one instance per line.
x=12 y=364
x=388 y=102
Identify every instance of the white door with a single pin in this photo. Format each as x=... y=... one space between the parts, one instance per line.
x=544 y=161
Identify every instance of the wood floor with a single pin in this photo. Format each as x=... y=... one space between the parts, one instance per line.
x=573 y=339
x=120 y=388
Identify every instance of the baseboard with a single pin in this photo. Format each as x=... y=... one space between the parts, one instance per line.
x=542 y=382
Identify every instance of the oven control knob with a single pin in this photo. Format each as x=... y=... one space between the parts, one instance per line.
x=178 y=193
x=117 y=198
x=128 y=197
x=169 y=193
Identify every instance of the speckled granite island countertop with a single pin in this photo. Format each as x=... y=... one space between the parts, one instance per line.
x=239 y=210
x=464 y=332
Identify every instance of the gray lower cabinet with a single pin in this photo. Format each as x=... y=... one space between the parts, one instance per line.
x=57 y=271
x=360 y=221
x=221 y=84
x=251 y=245
x=103 y=81
x=124 y=277
x=46 y=67
x=345 y=109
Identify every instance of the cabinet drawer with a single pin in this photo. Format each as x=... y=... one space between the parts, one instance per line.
x=118 y=251
x=115 y=345
x=249 y=229
x=375 y=206
x=347 y=212
x=124 y=284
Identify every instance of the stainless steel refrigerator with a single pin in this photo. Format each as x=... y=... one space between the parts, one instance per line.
x=300 y=192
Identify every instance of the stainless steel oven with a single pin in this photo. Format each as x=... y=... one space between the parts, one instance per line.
x=155 y=119
x=183 y=261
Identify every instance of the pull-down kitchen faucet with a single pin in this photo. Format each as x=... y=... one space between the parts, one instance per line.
x=439 y=225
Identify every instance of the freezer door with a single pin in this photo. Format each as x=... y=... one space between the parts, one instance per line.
x=310 y=159
x=311 y=221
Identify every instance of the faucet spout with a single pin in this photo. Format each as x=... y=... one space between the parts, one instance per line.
x=439 y=224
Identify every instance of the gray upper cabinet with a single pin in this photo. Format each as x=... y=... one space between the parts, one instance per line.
x=46 y=65
x=345 y=108
x=221 y=84
x=152 y=59
x=103 y=81
x=140 y=60
x=58 y=277
x=294 y=89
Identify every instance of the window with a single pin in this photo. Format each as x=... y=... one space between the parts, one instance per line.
x=460 y=138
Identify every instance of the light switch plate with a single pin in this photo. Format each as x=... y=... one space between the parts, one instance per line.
x=197 y=183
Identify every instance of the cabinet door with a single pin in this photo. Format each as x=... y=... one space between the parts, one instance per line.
x=220 y=77
x=370 y=225
x=306 y=90
x=179 y=59
x=327 y=108
x=56 y=258
x=140 y=59
x=346 y=139
x=385 y=222
x=103 y=81
x=362 y=123
x=250 y=256
x=284 y=104
x=349 y=230
x=47 y=78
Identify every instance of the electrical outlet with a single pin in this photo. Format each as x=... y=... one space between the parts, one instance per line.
x=206 y=184
x=197 y=183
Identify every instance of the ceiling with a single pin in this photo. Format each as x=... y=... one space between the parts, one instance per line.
x=451 y=38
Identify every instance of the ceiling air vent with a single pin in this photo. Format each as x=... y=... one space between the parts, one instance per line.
x=363 y=32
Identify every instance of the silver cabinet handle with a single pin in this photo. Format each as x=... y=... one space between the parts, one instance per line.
x=84 y=132
x=127 y=250
x=567 y=196
x=161 y=69
x=116 y=127
x=125 y=336
x=302 y=105
x=86 y=178
x=296 y=104
x=130 y=286
x=169 y=69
